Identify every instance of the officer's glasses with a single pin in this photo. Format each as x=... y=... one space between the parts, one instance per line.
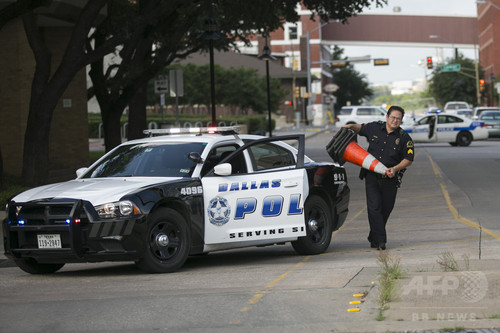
x=394 y=118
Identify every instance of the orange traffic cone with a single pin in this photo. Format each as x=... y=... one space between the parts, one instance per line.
x=357 y=155
x=343 y=147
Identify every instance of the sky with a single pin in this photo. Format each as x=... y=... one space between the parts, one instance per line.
x=408 y=63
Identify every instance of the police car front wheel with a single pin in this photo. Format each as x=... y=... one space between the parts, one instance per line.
x=167 y=242
x=319 y=228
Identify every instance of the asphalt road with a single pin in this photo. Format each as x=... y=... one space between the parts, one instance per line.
x=446 y=194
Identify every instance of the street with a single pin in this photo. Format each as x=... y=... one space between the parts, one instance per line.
x=448 y=203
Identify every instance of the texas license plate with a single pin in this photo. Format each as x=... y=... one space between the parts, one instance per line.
x=49 y=241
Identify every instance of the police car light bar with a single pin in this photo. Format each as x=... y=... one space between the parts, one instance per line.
x=193 y=130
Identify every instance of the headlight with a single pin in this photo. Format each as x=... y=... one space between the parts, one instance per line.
x=117 y=209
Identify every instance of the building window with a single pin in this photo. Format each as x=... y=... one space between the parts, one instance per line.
x=292 y=32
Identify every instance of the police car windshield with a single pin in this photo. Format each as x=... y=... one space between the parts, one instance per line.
x=148 y=160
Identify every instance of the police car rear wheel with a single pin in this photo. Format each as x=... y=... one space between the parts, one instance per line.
x=318 y=228
x=33 y=267
x=167 y=243
x=464 y=139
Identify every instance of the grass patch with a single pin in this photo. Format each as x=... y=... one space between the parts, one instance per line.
x=448 y=262
x=387 y=277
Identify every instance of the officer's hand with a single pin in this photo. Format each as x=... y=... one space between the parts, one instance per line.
x=390 y=173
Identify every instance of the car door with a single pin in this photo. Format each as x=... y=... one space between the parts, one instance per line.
x=266 y=203
x=445 y=130
x=424 y=130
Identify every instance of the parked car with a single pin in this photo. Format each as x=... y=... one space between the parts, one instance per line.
x=476 y=112
x=157 y=200
x=360 y=114
x=462 y=112
x=443 y=127
x=491 y=121
x=455 y=105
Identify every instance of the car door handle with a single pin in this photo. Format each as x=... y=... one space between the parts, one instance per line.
x=290 y=184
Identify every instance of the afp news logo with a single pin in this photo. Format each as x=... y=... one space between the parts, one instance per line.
x=470 y=286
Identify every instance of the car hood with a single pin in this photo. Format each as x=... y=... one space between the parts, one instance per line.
x=96 y=190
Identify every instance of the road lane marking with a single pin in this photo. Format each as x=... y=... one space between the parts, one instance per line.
x=462 y=219
x=452 y=208
x=258 y=296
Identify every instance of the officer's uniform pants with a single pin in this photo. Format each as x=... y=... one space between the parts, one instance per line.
x=380 y=198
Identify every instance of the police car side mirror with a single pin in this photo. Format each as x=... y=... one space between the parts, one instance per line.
x=80 y=172
x=195 y=157
x=223 y=169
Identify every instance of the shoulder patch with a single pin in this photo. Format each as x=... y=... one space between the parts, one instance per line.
x=409 y=144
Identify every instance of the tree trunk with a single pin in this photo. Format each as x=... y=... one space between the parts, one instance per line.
x=36 y=145
x=137 y=114
x=112 y=129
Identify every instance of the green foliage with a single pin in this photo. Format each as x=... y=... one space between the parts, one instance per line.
x=455 y=86
x=239 y=88
x=410 y=102
x=254 y=123
x=353 y=86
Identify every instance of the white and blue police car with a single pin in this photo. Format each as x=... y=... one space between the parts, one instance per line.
x=158 y=200
x=442 y=127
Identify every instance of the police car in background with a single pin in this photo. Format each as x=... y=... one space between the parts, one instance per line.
x=442 y=127
x=157 y=200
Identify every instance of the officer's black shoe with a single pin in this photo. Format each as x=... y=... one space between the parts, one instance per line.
x=373 y=244
x=381 y=246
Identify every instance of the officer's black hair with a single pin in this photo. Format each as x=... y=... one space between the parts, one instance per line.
x=396 y=108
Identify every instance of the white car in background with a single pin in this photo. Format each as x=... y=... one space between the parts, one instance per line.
x=454 y=129
x=359 y=114
x=455 y=105
x=476 y=112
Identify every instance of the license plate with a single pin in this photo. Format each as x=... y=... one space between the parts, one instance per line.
x=49 y=241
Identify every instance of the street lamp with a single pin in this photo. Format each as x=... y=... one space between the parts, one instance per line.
x=266 y=56
x=211 y=34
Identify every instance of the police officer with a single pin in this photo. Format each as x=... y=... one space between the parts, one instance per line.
x=392 y=146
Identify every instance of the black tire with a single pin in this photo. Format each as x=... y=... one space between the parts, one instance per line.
x=319 y=227
x=464 y=139
x=453 y=144
x=167 y=242
x=33 y=267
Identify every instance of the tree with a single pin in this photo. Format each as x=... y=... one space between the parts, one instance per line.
x=455 y=86
x=353 y=86
x=131 y=29
x=239 y=88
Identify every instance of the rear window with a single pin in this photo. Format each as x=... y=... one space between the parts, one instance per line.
x=345 y=111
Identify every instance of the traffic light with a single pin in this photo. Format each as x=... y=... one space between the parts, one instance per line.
x=429 y=62
x=380 y=62
x=339 y=63
x=481 y=85
x=297 y=92
x=295 y=64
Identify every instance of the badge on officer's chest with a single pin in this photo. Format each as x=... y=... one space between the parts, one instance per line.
x=397 y=141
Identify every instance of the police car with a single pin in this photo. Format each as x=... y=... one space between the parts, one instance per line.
x=158 y=200
x=442 y=127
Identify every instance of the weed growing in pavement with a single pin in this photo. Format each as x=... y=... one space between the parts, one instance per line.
x=448 y=262
x=391 y=271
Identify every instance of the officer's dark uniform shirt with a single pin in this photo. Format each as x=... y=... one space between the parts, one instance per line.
x=388 y=148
